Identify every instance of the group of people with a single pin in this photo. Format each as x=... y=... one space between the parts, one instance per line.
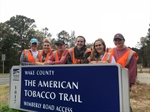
x=80 y=54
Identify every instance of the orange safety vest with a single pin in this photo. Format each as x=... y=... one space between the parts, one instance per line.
x=74 y=60
x=56 y=56
x=137 y=57
x=40 y=56
x=28 y=55
x=107 y=57
x=125 y=59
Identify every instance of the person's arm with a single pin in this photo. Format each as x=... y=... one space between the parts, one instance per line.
x=37 y=61
x=63 y=58
x=132 y=70
x=23 y=60
x=93 y=62
x=50 y=60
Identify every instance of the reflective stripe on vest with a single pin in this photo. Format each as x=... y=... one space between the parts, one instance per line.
x=111 y=51
x=28 y=56
x=129 y=57
x=55 y=53
x=125 y=59
x=40 y=55
x=130 y=53
x=71 y=51
x=107 y=57
x=74 y=60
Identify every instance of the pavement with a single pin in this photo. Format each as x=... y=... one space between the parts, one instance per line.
x=4 y=80
x=141 y=77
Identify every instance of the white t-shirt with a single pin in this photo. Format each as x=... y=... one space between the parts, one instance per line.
x=35 y=54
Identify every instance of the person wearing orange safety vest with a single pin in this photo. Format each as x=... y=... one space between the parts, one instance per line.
x=28 y=56
x=45 y=53
x=60 y=55
x=124 y=56
x=99 y=54
x=80 y=53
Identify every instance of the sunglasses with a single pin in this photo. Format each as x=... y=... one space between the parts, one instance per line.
x=59 y=44
x=117 y=39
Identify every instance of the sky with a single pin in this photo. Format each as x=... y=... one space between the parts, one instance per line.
x=92 y=19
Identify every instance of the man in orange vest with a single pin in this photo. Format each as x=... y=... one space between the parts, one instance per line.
x=60 y=55
x=124 y=56
x=45 y=53
x=28 y=56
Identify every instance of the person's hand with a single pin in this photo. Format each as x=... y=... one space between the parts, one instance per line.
x=102 y=62
x=47 y=62
x=39 y=63
x=93 y=62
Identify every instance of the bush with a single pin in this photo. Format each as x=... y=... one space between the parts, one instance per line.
x=5 y=108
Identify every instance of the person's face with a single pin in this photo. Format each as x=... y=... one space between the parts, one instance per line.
x=119 y=43
x=46 y=47
x=99 y=47
x=80 y=43
x=60 y=47
x=34 y=46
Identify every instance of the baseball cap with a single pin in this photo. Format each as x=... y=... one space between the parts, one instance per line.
x=119 y=36
x=33 y=40
x=59 y=42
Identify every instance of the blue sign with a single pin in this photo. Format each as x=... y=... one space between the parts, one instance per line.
x=80 y=88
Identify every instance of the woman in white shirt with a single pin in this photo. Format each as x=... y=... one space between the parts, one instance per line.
x=99 y=54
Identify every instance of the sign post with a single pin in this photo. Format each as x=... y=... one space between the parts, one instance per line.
x=3 y=59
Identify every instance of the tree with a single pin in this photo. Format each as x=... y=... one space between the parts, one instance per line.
x=144 y=52
x=23 y=29
x=69 y=39
x=72 y=39
x=46 y=33
x=8 y=46
x=53 y=43
x=41 y=35
x=15 y=35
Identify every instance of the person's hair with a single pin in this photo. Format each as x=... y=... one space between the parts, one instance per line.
x=81 y=37
x=95 y=55
x=46 y=40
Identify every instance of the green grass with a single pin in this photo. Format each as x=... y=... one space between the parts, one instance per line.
x=4 y=97
x=5 y=108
